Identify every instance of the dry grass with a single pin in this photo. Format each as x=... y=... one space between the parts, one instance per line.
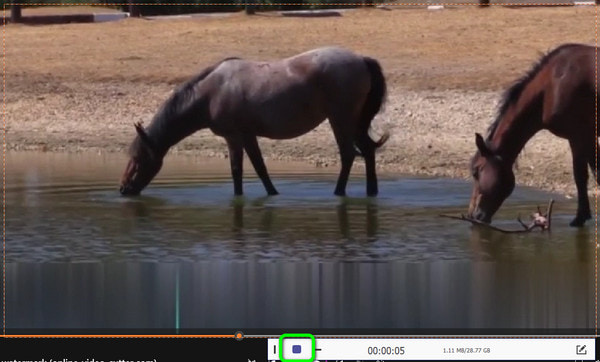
x=461 y=48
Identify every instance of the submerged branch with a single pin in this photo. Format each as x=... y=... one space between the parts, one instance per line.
x=477 y=222
x=539 y=220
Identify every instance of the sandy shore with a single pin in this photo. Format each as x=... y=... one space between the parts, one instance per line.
x=84 y=90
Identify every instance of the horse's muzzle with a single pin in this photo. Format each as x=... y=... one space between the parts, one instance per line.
x=481 y=216
x=128 y=191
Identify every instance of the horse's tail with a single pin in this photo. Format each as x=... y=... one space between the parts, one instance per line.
x=375 y=100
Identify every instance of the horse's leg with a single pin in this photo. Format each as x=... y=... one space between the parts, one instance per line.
x=594 y=160
x=367 y=149
x=347 y=155
x=345 y=142
x=580 y=172
x=253 y=152
x=236 y=160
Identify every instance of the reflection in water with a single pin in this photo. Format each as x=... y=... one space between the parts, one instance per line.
x=491 y=245
x=193 y=256
x=370 y=222
x=300 y=295
x=279 y=229
x=266 y=222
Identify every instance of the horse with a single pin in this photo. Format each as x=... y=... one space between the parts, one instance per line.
x=558 y=94
x=241 y=100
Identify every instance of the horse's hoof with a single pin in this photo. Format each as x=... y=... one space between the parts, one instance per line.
x=372 y=193
x=578 y=221
x=339 y=193
x=272 y=193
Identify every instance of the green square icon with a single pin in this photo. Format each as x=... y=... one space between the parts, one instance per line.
x=313 y=347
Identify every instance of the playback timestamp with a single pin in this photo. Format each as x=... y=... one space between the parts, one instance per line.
x=386 y=351
x=466 y=350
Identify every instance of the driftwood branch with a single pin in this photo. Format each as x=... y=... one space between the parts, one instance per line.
x=521 y=222
x=489 y=226
x=538 y=220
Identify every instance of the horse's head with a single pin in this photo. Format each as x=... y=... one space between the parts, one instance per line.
x=494 y=181
x=144 y=163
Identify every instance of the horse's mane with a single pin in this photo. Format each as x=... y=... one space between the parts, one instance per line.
x=513 y=93
x=178 y=103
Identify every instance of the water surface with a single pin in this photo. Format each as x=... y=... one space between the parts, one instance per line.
x=188 y=254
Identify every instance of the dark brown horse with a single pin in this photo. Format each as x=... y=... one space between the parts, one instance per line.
x=241 y=100
x=558 y=94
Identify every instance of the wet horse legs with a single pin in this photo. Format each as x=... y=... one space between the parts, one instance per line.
x=253 y=151
x=236 y=159
x=580 y=172
x=345 y=144
x=347 y=155
x=594 y=161
x=367 y=149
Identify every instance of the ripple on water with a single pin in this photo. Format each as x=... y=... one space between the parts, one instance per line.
x=203 y=221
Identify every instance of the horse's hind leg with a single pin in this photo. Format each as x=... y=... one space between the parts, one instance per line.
x=236 y=160
x=253 y=152
x=594 y=161
x=367 y=150
x=347 y=154
x=345 y=142
x=580 y=171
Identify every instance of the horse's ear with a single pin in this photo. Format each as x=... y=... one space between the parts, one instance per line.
x=144 y=137
x=482 y=146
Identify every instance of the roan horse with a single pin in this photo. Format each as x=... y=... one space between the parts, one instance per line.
x=241 y=100
x=558 y=94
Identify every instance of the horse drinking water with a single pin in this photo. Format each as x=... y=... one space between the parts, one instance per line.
x=241 y=100
x=558 y=94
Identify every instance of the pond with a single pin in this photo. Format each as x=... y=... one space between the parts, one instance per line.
x=188 y=255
